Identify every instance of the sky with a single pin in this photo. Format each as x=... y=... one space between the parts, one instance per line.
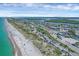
x=39 y=9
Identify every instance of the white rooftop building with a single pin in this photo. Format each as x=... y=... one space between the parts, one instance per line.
x=69 y=40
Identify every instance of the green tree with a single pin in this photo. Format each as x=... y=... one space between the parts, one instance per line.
x=72 y=32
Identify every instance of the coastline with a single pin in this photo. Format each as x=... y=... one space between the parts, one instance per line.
x=16 y=50
x=26 y=47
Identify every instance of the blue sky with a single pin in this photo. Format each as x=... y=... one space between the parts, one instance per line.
x=38 y=9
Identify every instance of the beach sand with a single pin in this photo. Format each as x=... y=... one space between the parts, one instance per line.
x=16 y=51
x=22 y=46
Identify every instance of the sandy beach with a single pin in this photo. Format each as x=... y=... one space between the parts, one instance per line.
x=16 y=51
x=22 y=46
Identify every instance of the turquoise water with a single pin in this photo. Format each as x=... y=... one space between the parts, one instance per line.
x=5 y=44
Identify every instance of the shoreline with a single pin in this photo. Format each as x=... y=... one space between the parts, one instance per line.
x=16 y=50
x=9 y=38
x=26 y=47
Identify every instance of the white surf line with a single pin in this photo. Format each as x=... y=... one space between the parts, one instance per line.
x=14 y=46
x=26 y=47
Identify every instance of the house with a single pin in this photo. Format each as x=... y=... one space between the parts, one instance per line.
x=69 y=40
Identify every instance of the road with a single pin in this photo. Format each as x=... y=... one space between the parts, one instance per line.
x=66 y=43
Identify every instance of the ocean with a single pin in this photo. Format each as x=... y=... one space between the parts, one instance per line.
x=6 y=48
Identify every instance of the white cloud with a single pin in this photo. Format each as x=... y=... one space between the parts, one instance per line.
x=11 y=14
x=64 y=7
x=15 y=13
x=76 y=8
x=17 y=4
x=29 y=4
x=73 y=7
x=47 y=6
